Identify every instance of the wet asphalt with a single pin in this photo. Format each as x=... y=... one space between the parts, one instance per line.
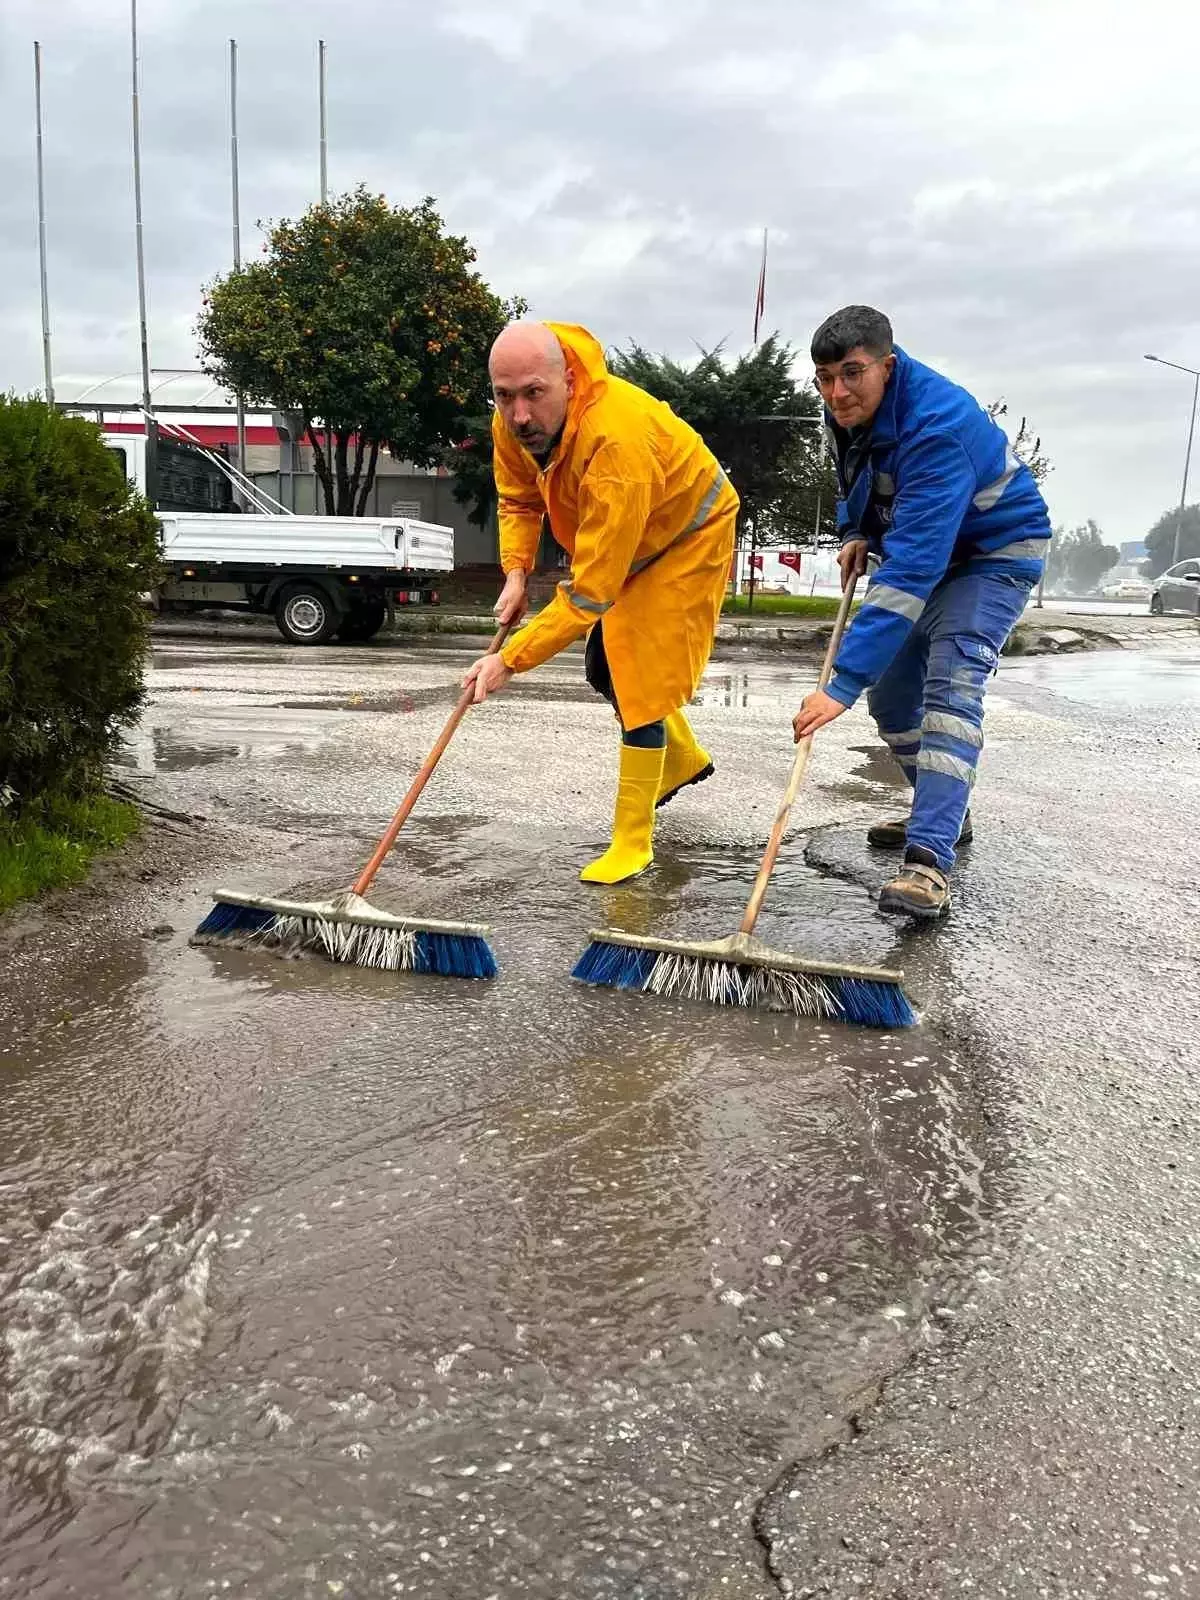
x=321 y=1281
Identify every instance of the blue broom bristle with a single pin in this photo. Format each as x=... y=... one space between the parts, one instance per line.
x=225 y=921
x=448 y=955
x=864 y=1002
x=615 y=966
x=454 y=955
x=873 y=1004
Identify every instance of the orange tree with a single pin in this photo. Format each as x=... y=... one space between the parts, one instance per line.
x=369 y=321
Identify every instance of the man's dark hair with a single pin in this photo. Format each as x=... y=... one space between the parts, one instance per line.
x=849 y=328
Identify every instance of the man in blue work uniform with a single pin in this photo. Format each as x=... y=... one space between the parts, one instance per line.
x=930 y=488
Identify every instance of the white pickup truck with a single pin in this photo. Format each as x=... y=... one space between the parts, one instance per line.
x=319 y=577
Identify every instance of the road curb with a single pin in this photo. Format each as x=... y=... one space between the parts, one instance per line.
x=1068 y=632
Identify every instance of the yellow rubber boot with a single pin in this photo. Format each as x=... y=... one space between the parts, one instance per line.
x=633 y=826
x=687 y=759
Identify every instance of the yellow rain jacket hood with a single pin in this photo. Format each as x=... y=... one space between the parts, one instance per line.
x=638 y=501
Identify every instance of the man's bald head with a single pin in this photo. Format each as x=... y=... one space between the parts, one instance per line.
x=528 y=342
x=531 y=384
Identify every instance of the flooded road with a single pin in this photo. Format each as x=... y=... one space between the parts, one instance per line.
x=322 y=1281
x=1114 y=681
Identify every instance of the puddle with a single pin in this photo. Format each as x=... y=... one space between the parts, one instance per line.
x=357 y=702
x=448 y=1258
x=745 y=688
x=879 y=766
x=448 y=1288
x=399 y=700
x=1112 y=678
x=147 y=751
x=222 y=734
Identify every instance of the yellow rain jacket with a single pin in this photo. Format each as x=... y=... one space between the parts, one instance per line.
x=638 y=501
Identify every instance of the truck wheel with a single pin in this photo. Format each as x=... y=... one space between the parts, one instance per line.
x=304 y=614
x=363 y=622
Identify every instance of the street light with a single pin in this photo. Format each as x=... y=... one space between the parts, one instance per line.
x=1187 y=460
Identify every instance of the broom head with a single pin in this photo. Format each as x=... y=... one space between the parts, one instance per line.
x=742 y=971
x=348 y=929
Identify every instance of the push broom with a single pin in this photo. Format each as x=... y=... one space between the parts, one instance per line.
x=348 y=928
x=740 y=970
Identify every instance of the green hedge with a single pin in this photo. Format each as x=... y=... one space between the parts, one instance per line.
x=78 y=547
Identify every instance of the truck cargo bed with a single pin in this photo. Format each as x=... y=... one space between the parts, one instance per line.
x=399 y=544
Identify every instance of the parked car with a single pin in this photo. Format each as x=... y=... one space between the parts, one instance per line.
x=1177 y=590
x=1126 y=589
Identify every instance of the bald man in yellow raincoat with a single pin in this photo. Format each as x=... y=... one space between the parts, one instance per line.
x=640 y=504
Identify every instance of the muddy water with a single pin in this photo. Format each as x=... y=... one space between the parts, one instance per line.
x=321 y=1281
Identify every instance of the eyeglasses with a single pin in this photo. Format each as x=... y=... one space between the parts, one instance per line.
x=852 y=374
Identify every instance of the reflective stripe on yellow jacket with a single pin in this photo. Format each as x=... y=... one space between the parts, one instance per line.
x=638 y=501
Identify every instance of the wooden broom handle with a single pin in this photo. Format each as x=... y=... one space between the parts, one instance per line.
x=799 y=765
x=367 y=875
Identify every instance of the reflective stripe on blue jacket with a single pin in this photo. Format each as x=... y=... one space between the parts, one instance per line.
x=940 y=485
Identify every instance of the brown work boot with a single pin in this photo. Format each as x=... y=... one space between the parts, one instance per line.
x=919 y=890
x=894 y=835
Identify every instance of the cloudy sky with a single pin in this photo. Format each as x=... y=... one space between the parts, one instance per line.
x=1016 y=183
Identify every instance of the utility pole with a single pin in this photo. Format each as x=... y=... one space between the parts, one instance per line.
x=41 y=204
x=1187 y=460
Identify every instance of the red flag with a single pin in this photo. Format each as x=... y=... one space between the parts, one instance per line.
x=790 y=558
x=760 y=299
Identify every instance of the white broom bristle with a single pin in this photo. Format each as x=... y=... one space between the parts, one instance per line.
x=725 y=983
x=386 y=949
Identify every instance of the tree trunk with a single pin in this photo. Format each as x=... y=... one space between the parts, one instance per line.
x=753 y=569
x=368 y=478
x=345 y=501
x=356 y=473
x=321 y=466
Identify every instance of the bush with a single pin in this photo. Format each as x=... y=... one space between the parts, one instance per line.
x=78 y=547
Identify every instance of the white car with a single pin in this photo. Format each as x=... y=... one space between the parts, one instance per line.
x=1126 y=589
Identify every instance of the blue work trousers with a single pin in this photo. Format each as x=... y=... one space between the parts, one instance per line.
x=928 y=706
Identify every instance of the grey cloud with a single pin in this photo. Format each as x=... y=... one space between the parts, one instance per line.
x=1015 y=184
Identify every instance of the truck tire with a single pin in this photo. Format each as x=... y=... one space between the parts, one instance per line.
x=362 y=622
x=305 y=614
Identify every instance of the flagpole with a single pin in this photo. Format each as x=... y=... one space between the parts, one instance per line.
x=151 y=432
x=321 y=99
x=137 y=208
x=237 y=230
x=41 y=202
x=760 y=300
